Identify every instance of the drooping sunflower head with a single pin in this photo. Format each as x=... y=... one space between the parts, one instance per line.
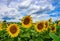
x=8 y=24
x=13 y=30
x=1 y=26
x=58 y=23
x=50 y=20
x=27 y=21
x=40 y=26
x=52 y=28
x=46 y=25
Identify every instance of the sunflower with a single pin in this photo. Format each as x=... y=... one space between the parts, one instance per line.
x=0 y=26
x=13 y=30
x=40 y=26
x=53 y=28
x=58 y=23
x=55 y=24
x=46 y=25
x=8 y=24
x=50 y=21
x=27 y=21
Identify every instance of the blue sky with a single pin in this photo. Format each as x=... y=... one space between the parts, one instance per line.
x=13 y=10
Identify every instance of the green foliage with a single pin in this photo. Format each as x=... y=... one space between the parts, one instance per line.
x=30 y=34
x=54 y=37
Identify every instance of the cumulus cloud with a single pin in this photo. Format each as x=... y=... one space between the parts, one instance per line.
x=38 y=9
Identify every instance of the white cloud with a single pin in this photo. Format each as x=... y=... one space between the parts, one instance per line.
x=39 y=17
x=15 y=20
x=41 y=5
x=51 y=7
x=28 y=7
x=58 y=18
x=25 y=3
x=54 y=18
x=13 y=5
x=42 y=15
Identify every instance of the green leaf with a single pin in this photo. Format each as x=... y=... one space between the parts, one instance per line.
x=57 y=26
x=19 y=39
x=38 y=39
x=8 y=40
x=30 y=40
x=54 y=37
x=16 y=39
x=24 y=35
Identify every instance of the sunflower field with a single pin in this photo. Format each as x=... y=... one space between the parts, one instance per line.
x=26 y=30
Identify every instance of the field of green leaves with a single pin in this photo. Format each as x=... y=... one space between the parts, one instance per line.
x=21 y=33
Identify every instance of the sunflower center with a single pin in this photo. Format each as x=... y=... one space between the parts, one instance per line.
x=26 y=21
x=40 y=26
x=13 y=29
x=52 y=28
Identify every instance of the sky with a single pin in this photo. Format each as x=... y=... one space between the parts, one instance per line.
x=13 y=10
